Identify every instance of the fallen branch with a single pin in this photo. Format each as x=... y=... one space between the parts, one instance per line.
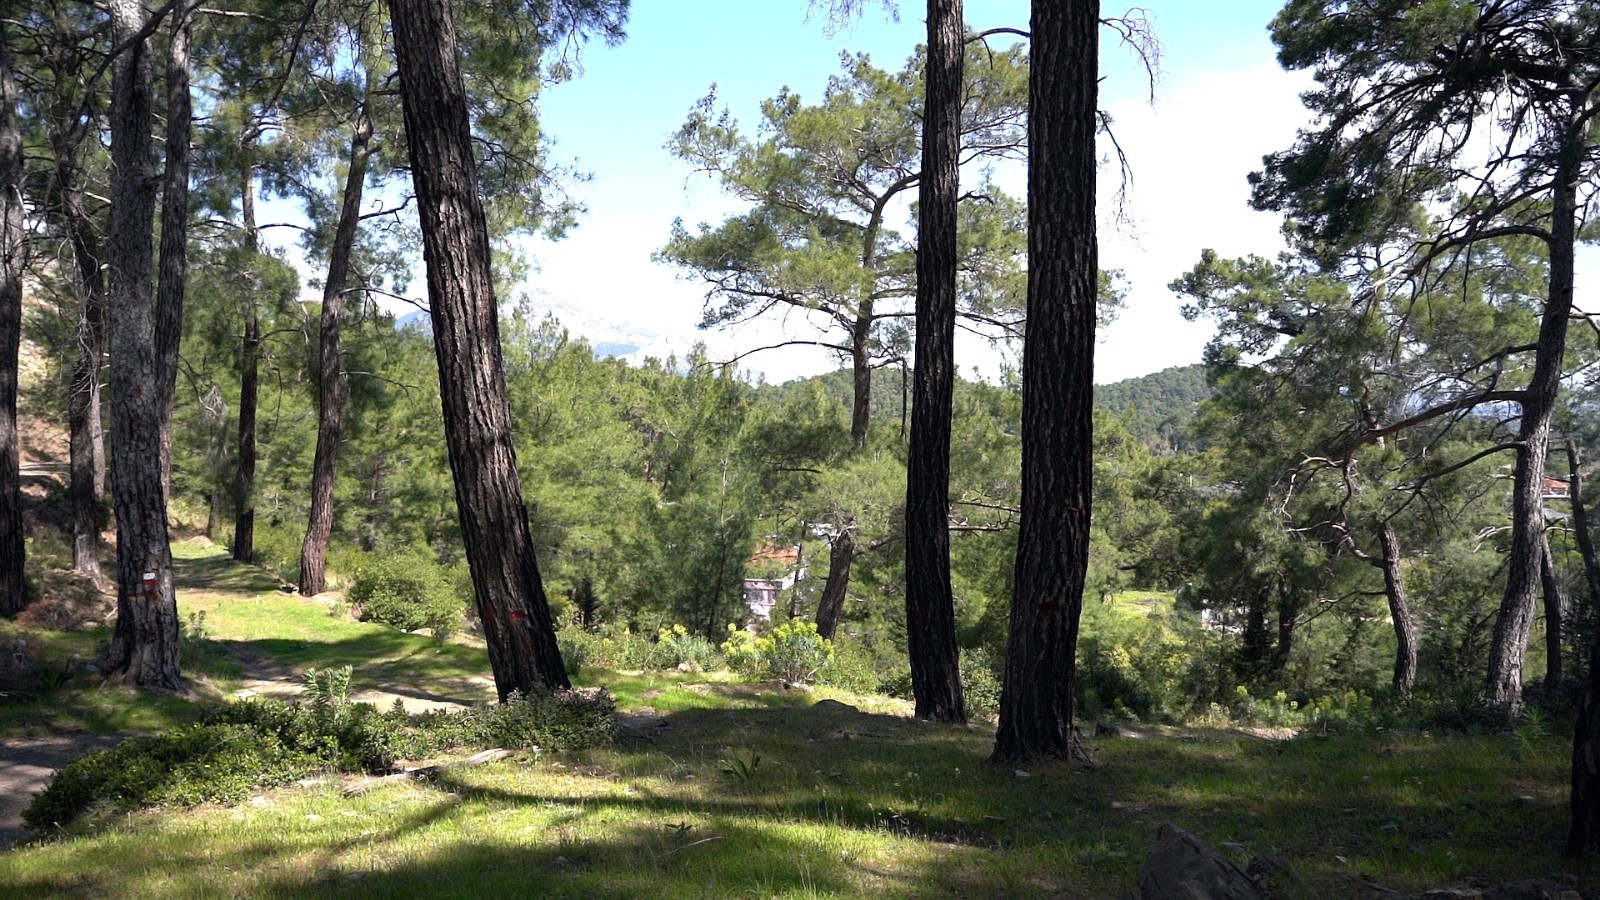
x=423 y=773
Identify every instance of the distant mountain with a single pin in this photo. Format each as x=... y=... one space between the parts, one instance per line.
x=616 y=348
x=607 y=339
x=1158 y=408
x=420 y=320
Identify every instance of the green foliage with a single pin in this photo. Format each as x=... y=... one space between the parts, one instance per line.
x=679 y=648
x=276 y=548
x=407 y=592
x=792 y=652
x=1158 y=409
x=555 y=720
x=244 y=746
x=1135 y=666
x=614 y=647
x=853 y=668
x=742 y=770
x=192 y=764
x=981 y=680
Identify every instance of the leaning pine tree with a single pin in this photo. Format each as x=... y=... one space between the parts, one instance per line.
x=477 y=413
x=1057 y=385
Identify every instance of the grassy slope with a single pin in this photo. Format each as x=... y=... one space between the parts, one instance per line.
x=747 y=789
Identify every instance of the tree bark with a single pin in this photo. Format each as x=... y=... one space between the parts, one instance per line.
x=1036 y=704
x=861 y=378
x=1515 y=620
x=144 y=646
x=930 y=607
x=86 y=436
x=1405 y=627
x=174 y=261
x=1580 y=527
x=13 y=595
x=841 y=554
x=244 y=480
x=477 y=413
x=331 y=394
x=1555 y=607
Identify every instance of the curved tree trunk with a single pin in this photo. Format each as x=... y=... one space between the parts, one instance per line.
x=12 y=246
x=174 y=262
x=331 y=395
x=1515 y=620
x=1036 y=705
x=930 y=609
x=477 y=414
x=841 y=554
x=144 y=646
x=1405 y=627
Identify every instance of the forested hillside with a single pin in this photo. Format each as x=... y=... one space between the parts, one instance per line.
x=1158 y=408
x=1366 y=513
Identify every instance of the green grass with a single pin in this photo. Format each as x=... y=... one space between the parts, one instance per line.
x=750 y=789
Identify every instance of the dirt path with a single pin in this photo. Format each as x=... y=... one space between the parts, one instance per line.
x=25 y=768
x=26 y=764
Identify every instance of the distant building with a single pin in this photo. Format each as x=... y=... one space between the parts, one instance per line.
x=761 y=595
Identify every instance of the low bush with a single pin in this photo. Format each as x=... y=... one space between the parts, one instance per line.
x=679 y=648
x=276 y=548
x=853 y=668
x=185 y=766
x=258 y=743
x=609 y=647
x=793 y=652
x=980 y=683
x=407 y=592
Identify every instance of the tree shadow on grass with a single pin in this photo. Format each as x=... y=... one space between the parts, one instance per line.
x=849 y=803
x=221 y=573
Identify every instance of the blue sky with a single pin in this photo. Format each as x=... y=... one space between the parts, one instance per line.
x=1221 y=103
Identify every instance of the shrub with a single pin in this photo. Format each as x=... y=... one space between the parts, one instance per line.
x=678 y=648
x=407 y=592
x=980 y=683
x=793 y=652
x=553 y=720
x=577 y=649
x=256 y=743
x=184 y=766
x=853 y=668
x=276 y=548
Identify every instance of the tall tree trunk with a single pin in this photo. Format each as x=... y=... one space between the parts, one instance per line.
x=331 y=394
x=1515 y=620
x=1555 y=607
x=1580 y=527
x=477 y=413
x=13 y=595
x=1036 y=706
x=244 y=479
x=861 y=378
x=841 y=554
x=144 y=646
x=86 y=437
x=930 y=608
x=174 y=261
x=1405 y=627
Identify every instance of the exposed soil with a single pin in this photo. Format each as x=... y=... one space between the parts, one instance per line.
x=26 y=767
x=26 y=764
